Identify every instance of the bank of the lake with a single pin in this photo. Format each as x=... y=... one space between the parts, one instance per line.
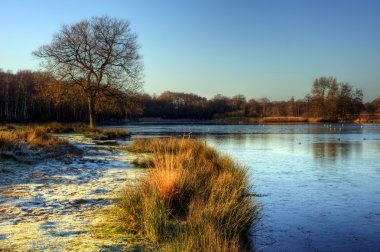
x=317 y=183
x=51 y=203
x=363 y=118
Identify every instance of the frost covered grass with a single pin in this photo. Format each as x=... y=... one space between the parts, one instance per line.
x=19 y=142
x=192 y=199
x=36 y=140
x=33 y=136
x=95 y=133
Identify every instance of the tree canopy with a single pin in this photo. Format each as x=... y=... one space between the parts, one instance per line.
x=100 y=55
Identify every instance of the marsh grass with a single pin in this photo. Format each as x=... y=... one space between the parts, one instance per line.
x=142 y=162
x=20 y=142
x=192 y=199
x=107 y=134
x=95 y=133
x=27 y=143
x=30 y=135
x=144 y=145
x=55 y=127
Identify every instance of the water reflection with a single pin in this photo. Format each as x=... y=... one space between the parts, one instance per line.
x=327 y=149
x=336 y=150
x=337 y=129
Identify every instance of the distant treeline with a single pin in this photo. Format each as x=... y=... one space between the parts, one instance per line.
x=34 y=96
x=328 y=99
x=37 y=97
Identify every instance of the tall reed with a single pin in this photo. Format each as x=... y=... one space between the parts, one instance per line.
x=192 y=199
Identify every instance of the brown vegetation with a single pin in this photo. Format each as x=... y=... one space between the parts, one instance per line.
x=368 y=118
x=193 y=199
x=95 y=133
x=107 y=134
x=32 y=144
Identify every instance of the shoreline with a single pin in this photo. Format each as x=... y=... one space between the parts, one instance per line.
x=243 y=121
x=364 y=118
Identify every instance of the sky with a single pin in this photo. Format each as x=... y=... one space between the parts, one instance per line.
x=257 y=48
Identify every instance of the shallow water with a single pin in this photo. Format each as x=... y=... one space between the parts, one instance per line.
x=319 y=184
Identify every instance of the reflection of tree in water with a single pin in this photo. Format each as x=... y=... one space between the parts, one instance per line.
x=337 y=149
x=255 y=141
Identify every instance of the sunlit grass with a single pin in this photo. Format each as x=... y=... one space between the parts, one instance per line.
x=55 y=127
x=20 y=141
x=95 y=133
x=192 y=199
x=31 y=136
x=142 y=162
x=107 y=134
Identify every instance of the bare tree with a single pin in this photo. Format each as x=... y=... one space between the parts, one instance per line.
x=100 y=55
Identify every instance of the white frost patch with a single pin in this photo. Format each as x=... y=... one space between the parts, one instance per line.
x=51 y=205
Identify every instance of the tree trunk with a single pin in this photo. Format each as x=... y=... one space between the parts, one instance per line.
x=91 y=111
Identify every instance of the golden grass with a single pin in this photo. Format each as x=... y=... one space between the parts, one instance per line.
x=16 y=142
x=30 y=136
x=142 y=162
x=193 y=199
x=107 y=134
x=55 y=127
x=166 y=145
x=95 y=133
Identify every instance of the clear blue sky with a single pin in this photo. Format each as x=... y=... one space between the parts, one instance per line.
x=258 y=48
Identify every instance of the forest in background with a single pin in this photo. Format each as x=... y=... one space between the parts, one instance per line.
x=37 y=97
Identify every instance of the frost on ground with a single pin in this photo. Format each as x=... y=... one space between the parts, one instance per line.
x=53 y=204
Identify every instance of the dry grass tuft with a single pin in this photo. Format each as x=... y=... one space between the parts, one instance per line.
x=55 y=127
x=95 y=133
x=192 y=199
x=16 y=142
x=31 y=136
x=107 y=134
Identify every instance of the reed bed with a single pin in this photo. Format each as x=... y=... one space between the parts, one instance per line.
x=192 y=199
x=95 y=133
x=33 y=136
x=33 y=143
